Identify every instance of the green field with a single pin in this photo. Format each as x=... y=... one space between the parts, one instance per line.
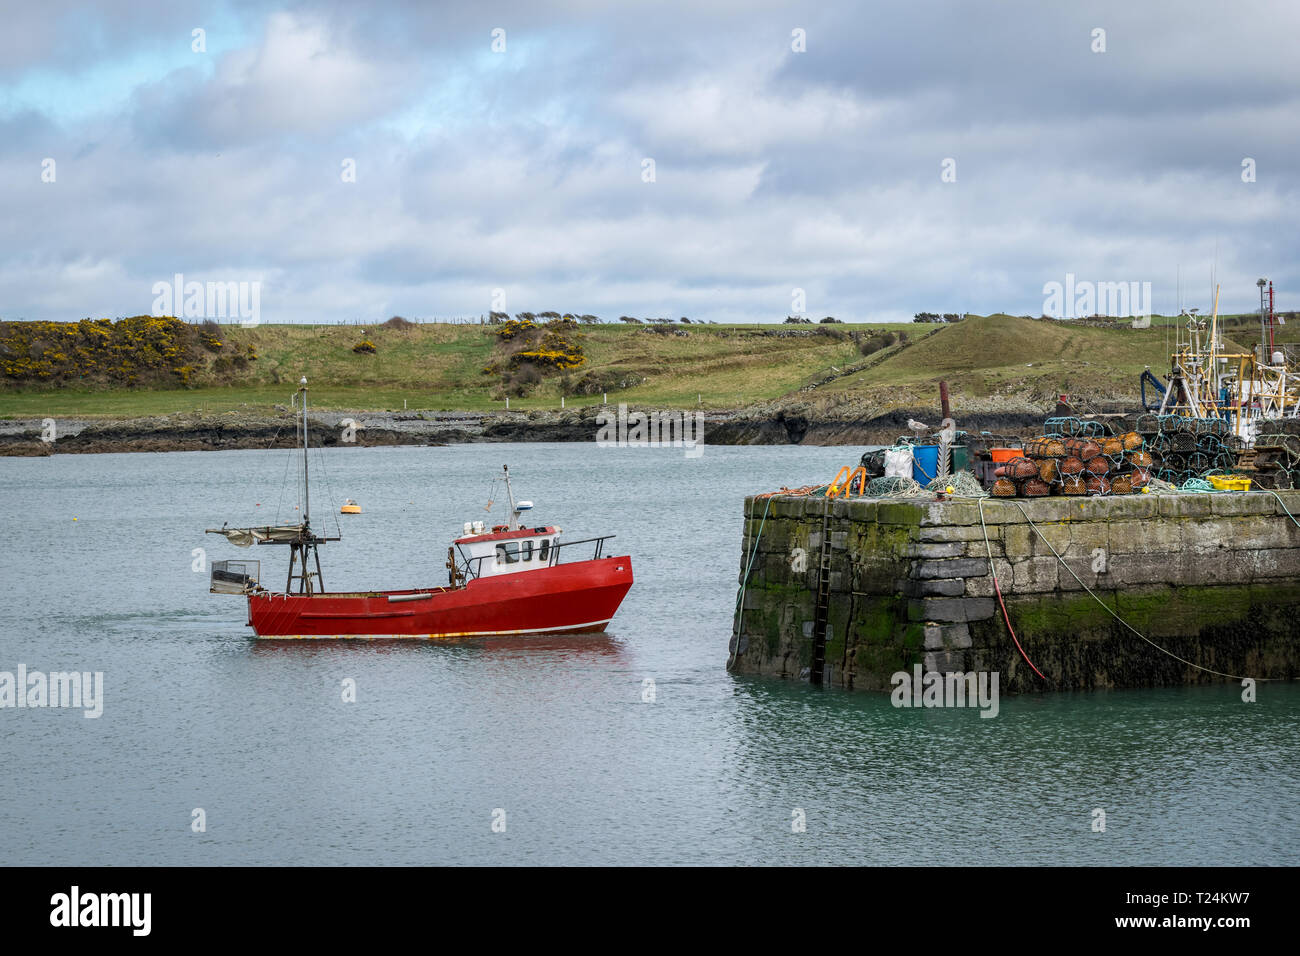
x=440 y=367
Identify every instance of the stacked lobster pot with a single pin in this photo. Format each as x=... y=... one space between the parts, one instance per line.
x=1274 y=460
x=1076 y=465
x=1185 y=448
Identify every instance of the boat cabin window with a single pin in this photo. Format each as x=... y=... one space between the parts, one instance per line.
x=507 y=552
x=526 y=550
x=544 y=549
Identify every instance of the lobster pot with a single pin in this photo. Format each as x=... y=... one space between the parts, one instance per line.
x=898 y=462
x=1098 y=466
x=1049 y=469
x=1112 y=448
x=1131 y=441
x=1003 y=488
x=1071 y=466
x=1084 y=448
x=1020 y=469
x=1121 y=485
x=1035 y=488
x=1097 y=485
x=1073 y=485
x=1045 y=448
x=1140 y=459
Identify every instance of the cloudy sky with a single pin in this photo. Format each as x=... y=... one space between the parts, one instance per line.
x=656 y=159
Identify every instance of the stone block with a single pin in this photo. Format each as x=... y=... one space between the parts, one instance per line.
x=945 y=662
x=949 y=513
x=949 y=568
x=1155 y=536
x=1034 y=576
x=982 y=585
x=953 y=549
x=942 y=637
x=1252 y=532
x=933 y=587
x=978 y=549
x=1133 y=569
x=1196 y=535
x=956 y=610
x=898 y=512
x=1276 y=562
x=1017 y=540
x=1039 y=510
x=1081 y=566
x=1231 y=505
x=1185 y=505
x=863 y=510
x=942 y=533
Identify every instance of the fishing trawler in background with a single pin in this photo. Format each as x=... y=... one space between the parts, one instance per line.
x=506 y=579
x=1208 y=379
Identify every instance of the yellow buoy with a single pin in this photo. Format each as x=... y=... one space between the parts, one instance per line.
x=350 y=507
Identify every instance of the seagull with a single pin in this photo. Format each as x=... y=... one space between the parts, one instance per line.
x=917 y=427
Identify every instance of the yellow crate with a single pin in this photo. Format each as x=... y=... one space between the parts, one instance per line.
x=1229 y=482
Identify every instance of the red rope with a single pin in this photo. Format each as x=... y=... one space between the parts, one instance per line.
x=1007 y=617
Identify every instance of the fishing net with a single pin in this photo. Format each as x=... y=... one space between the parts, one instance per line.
x=892 y=487
x=962 y=483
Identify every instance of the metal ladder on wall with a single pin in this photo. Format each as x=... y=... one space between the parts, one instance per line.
x=818 y=672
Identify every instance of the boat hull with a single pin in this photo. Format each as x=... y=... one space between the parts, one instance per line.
x=581 y=596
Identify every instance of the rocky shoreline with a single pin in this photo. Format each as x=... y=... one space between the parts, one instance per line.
x=776 y=425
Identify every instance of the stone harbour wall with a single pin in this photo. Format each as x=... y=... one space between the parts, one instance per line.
x=1212 y=578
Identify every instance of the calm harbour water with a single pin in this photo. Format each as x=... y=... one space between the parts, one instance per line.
x=553 y=730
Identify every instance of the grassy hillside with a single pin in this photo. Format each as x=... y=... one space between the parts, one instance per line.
x=434 y=367
x=441 y=367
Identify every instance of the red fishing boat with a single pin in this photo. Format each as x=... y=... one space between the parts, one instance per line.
x=504 y=579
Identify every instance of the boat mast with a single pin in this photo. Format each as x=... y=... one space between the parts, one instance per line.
x=305 y=547
x=513 y=524
x=306 y=487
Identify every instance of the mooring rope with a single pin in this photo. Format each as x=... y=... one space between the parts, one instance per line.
x=998 y=588
x=1107 y=606
x=1283 y=504
x=744 y=582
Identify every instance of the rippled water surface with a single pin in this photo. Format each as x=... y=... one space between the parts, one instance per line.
x=552 y=730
